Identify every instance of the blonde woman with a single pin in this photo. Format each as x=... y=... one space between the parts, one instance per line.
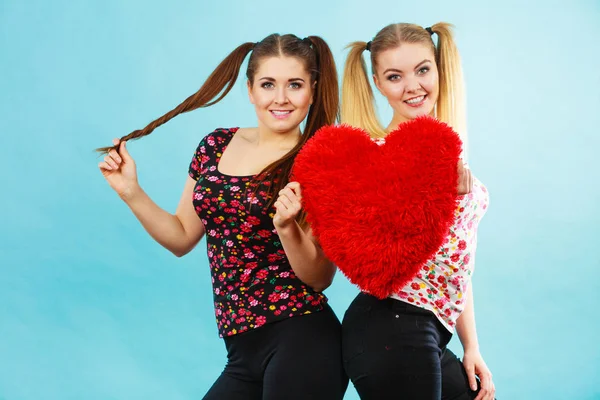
x=396 y=347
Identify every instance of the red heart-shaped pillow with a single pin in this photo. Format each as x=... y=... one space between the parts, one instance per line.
x=380 y=212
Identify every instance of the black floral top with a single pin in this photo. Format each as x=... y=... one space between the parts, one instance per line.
x=253 y=282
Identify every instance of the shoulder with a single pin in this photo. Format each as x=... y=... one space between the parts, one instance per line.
x=479 y=189
x=248 y=134
x=216 y=139
x=477 y=200
x=219 y=135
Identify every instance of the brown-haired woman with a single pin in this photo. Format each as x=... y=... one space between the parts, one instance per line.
x=396 y=347
x=268 y=271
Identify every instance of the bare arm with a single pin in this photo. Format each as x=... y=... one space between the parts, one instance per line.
x=178 y=233
x=306 y=257
x=465 y=325
x=472 y=360
x=304 y=253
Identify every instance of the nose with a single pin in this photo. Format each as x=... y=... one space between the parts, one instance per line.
x=281 y=96
x=412 y=85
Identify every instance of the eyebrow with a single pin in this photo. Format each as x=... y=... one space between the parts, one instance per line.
x=397 y=70
x=269 y=79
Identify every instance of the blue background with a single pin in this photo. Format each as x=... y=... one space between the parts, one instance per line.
x=92 y=308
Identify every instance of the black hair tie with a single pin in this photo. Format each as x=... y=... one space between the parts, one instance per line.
x=368 y=48
x=428 y=29
x=308 y=41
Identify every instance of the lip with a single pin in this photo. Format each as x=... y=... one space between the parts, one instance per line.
x=281 y=114
x=419 y=104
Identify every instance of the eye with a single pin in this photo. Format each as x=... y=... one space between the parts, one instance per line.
x=295 y=85
x=267 y=85
x=423 y=70
x=393 y=77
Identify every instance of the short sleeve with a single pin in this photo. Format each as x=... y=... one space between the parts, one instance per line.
x=198 y=160
x=207 y=154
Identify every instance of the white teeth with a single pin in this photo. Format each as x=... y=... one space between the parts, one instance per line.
x=415 y=100
x=280 y=112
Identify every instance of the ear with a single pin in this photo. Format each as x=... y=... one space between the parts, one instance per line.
x=377 y=84
x=249 y=86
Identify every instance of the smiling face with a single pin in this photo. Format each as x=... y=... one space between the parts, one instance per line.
x=281 y=92
x=408 y=77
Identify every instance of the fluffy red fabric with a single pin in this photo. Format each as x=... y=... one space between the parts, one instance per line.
x=380 y=212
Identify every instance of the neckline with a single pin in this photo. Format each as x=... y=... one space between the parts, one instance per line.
x=231 y=132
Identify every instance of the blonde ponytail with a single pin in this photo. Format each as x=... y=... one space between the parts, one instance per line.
x=451 y=104
x=358 y=102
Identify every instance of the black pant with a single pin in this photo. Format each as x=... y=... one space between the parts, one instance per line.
x=297 y=358
x=394 y=350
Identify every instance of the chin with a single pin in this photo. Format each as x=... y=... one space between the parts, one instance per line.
x=282 y=127
x=412 y=114
x=421 y=114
